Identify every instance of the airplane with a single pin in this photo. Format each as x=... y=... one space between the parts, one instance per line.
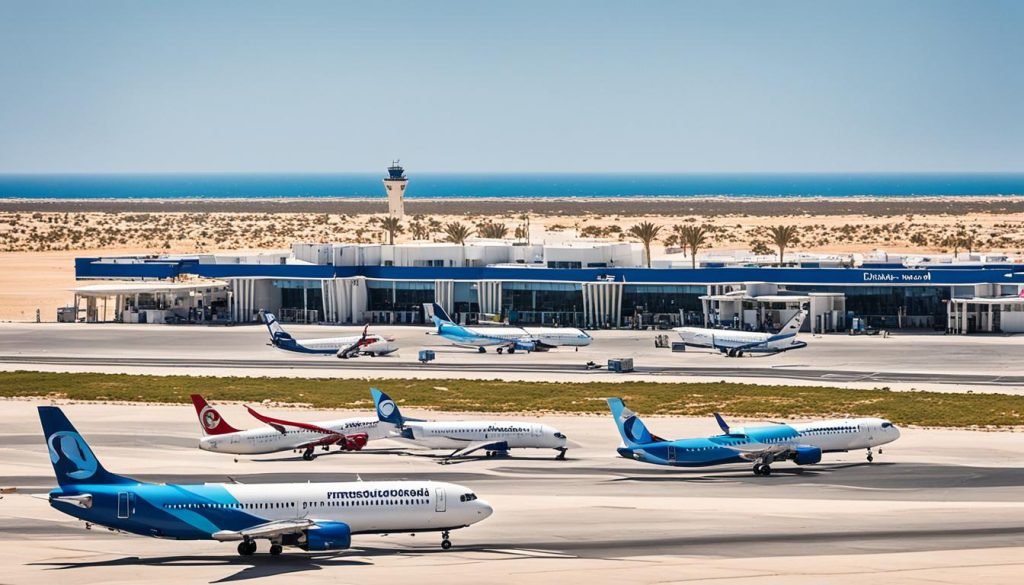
x=803 y=443
x=349 y=434
x=343 y=347
x=466 y=437
x=735 y=343
x=510 y=339
x=310 y=516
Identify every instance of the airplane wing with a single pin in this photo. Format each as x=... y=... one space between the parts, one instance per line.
x=754 y=451
x=280 y=424
x=266 y=530
x=473 y=447
x=353 y=349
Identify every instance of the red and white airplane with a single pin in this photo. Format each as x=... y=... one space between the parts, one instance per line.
x=350 y=434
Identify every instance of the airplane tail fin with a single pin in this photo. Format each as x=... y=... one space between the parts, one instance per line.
x=387 y=410
x=440 y=316
x=631 y=428
x=73 y=460
x=209 y=419
x=795 y=322
x=277 y=332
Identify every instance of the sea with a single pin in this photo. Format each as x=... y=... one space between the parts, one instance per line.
x=504 y=185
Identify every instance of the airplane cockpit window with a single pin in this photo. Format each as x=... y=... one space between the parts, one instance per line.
x=559 y=435
x=887 y=425
x=467 y=497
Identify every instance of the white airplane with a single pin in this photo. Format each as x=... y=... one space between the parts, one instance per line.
x=466 y=437
x=349 y=434
x=507 y=338
x=343 y=347
x=310 y=516
x=736 y=343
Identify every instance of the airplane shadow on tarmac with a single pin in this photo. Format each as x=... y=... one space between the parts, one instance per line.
x=262 y=566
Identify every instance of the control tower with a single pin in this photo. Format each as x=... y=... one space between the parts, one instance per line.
x=395 y=185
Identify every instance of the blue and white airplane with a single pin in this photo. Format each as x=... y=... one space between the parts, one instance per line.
x=802 y=443
x=735 y=343
x=510 y=339
x=343 y=347
x=310 y=516
x=493 y=437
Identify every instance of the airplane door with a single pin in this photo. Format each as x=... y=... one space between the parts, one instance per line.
x=671 y=453
x=440 y=504
x=125 y=504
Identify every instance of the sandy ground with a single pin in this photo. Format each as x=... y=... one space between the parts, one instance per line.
x=937 y=507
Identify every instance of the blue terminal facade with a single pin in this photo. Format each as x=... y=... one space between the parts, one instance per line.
x=879 y=295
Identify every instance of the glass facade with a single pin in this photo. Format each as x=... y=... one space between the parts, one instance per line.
x=655 y=303
x=892 y=306
x=399 y=296
x=542 y=302
x=300 y=294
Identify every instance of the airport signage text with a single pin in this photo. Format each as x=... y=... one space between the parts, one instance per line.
x=901 y=277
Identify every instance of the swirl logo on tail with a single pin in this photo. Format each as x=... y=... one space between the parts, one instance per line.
x=70 y=447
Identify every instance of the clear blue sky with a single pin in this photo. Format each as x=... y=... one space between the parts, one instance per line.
x=512 y=86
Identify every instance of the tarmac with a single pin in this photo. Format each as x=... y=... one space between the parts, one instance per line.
x=936 y=506
x=912 y=361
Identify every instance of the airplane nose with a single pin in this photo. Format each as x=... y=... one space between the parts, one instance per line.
x=483 y=509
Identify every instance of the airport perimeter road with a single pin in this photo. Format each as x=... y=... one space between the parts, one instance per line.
x=921 y=361
x=935 y=507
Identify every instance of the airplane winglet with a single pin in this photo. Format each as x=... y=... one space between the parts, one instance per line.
x=721 y=423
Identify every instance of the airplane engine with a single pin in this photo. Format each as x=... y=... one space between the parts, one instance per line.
x=807 y=455
x=526 y=346
x=354 y=442
x=328 y=536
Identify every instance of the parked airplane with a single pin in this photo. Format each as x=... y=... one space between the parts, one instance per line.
x=803 y=443
x=311 y=516
x=343 y=347
x=734 y=343
x=349 y=434
x=508 y=339
x=466 y=437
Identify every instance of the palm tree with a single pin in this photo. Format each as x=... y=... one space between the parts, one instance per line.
x=492 y=231
x=420 y=231
x=952 y=241
x=783 y=236
x=645 y=232
x=392 y=225
x=695 y=237
x=456 y=233
x=680 y=230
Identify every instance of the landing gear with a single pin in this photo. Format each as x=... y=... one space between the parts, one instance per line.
x=511 y=350
x=481 y=349
x=870 y=456
x=275 y=550
x=445 y=542
x=762 y=469
x=561 y=454
x=247 y=548
x=308 y=454
x=500 y=349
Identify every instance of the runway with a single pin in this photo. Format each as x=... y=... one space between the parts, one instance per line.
x=902 y=362
x=935 y=506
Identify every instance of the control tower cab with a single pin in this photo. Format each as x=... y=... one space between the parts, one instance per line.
x=395 y=185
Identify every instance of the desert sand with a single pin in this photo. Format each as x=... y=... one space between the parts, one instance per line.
x=40 y=239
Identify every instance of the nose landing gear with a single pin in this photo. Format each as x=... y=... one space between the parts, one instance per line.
x=870 y=456
x=561 y=454
x=446 y=543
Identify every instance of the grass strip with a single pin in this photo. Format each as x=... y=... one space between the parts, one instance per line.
x=933 y=409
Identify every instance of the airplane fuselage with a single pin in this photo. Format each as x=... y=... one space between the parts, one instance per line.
x=267 y=439
x=198 y=512
x=829 y=436
x=458 y=435
x=374 y=345
x=766 y=342
x=487 y=336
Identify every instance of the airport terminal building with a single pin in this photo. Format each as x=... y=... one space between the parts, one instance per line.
x=585 y=284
